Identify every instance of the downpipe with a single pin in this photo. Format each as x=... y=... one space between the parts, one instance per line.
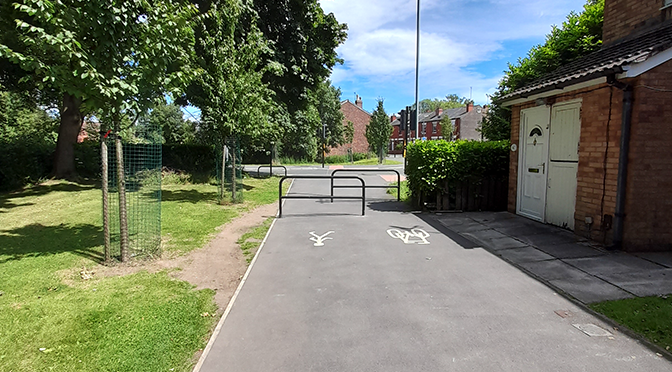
x=626 y=123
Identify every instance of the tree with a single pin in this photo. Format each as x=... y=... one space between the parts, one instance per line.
x=327 y=100
x=447 y=130
x=378 y=131
x=452 y=101
x=579 y=35
x=169 y=117
x=303 y=46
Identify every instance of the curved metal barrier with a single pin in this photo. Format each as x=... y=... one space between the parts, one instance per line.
x=398 y=187
x=332 y=197
x=271 y=170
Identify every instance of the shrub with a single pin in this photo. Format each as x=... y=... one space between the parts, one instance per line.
x=432 y=163
x=24 y=162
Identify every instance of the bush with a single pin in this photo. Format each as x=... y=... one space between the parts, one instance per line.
x=432 y=163
x=195 y=159
x=24 y=162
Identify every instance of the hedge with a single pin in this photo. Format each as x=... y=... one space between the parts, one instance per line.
x=430 y=164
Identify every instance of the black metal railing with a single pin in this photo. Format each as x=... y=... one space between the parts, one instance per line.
x=270 y=173
x=398 y=187
x=332 y=197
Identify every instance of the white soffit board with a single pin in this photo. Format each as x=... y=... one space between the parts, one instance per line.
x=637 y=69
x=585 y=84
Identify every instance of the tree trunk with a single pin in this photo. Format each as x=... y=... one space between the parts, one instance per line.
x=106 y=200
x=121 y=183
x=68 y=130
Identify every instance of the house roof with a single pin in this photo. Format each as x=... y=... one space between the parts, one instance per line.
x=608 y=60
x=348 y=101
x=431 y=116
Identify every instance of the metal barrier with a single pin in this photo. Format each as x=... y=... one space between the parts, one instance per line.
x=271 y=170
x=332 y=197
x=398 y=187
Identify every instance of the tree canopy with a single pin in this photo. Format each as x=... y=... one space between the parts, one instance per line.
x=450 y=102
x=580 y=34
x=378 y=131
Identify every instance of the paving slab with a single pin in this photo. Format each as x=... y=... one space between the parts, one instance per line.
x=570 y=250
x=661 y=258
x=613 y=264
x=553 y=270
x=334 y=291
x=647 y=283
x=484 y=237
x=589 y=289
x=526 y=254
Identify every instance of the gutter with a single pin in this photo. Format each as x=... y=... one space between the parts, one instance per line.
x=626 y=123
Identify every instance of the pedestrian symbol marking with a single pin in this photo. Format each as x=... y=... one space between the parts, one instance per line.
x=418 y=236
x=319 y=239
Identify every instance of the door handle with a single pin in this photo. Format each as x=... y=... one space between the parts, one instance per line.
x=543 y=168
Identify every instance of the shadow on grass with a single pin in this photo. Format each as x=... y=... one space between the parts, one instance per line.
x=39 y=190
x=38 y=240
x=188 y=196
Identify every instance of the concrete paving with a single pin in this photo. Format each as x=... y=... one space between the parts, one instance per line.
x=561 y=259
x=389 y=291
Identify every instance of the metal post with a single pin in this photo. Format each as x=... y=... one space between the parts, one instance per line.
x=417 y=70
x=324 y=136
x=271 y=163
x=280 y=197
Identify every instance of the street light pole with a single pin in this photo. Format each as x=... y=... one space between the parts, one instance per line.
x=417 y=70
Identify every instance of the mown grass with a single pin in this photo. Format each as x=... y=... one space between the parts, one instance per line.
x=52 y=319
x=372 y=161
x=649 y=316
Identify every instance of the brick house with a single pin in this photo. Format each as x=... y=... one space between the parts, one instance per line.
x=592 y=141
x=466 y=120
x=360 y=118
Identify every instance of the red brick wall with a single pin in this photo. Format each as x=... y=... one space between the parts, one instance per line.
x=360 y=120
x=621 y=17
x=648 y=221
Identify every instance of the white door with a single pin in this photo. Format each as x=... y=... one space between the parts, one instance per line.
x=563 y=164
x=532 y=162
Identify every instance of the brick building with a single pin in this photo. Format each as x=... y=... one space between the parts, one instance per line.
x=354 y=113
x=592 y=141
x=466 y=121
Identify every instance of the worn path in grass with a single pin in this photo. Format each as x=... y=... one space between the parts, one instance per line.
x=335 y=291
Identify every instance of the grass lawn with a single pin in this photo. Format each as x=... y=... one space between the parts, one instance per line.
x=372 y=161
x=651 y=317
x=52 y=319
x=405 y=192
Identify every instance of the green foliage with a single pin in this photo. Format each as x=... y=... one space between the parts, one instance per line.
x=303 y=47
x=648 y=316
x=452 y=101
x=349 y=132
x=193 y=159
x=447 y=130
x=378 y=131
x=169 y=118
x=430 y=163
x=579 y=35
x=327 y=100
x=228 y=87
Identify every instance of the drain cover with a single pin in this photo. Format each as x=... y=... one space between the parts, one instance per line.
x=592 y=330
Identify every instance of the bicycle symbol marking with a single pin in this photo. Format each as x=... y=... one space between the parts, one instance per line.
x=418 y=236
x=319 y=239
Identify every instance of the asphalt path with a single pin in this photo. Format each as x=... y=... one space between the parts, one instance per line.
x=332 y=290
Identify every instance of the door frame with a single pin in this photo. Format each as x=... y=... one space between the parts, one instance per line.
x=522 y=135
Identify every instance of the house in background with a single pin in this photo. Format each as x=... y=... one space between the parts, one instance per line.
x=592 y=141
x=354 y=113
x=466 y=120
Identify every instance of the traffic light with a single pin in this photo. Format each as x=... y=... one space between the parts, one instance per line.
x=413 y=125
x=402 y=120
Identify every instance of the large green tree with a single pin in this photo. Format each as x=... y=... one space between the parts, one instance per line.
x=303 y=46
x=378 y=131
x=579 y=35
x=169 y=117
x=113 y=57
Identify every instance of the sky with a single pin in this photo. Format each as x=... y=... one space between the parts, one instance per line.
x=465 y=46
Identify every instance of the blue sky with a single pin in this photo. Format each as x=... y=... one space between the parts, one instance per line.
x=464 y=45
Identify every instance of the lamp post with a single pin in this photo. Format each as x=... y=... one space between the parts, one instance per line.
x=417 y=68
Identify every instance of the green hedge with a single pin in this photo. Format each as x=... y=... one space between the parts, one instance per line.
x=432 y=163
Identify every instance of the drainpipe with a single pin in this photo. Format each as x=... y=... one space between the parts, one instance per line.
x=626 y=121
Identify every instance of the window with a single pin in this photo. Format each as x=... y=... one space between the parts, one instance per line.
x=424 y=128
x=434 y=125
x=667 y=3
